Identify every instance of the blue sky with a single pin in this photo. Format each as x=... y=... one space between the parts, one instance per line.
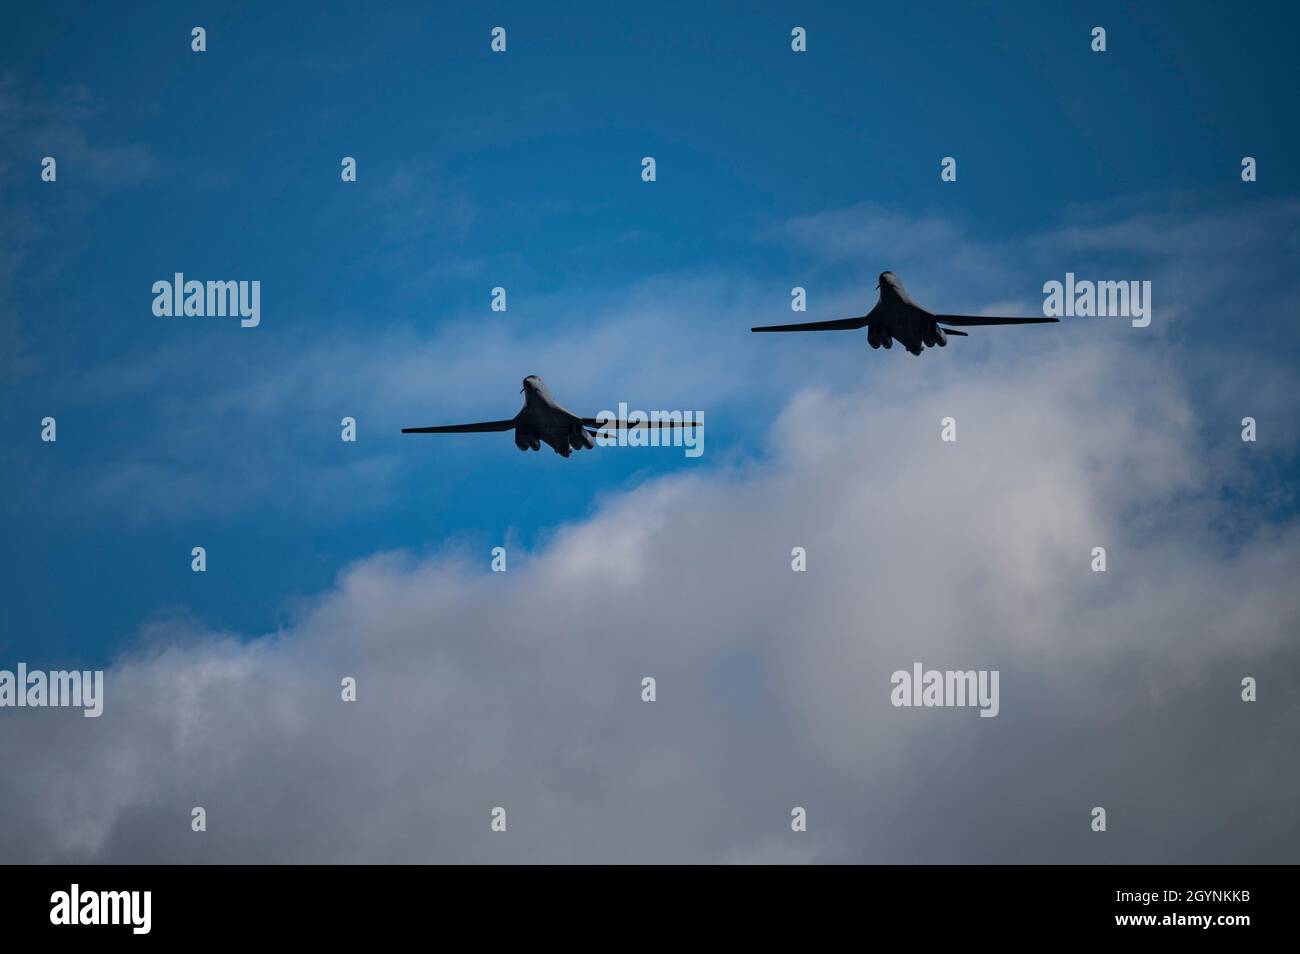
x=523 y=170
x=775 y=169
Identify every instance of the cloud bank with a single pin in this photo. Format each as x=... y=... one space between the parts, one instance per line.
x=522 y=690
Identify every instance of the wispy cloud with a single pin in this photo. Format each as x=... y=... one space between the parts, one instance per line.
x=35 y=124
x=681 y=340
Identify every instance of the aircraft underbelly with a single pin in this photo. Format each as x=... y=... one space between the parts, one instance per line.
x=904 y=325
x=549 y=425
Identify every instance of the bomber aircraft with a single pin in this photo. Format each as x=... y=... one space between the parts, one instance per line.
x=543 y=421
x=897 y=317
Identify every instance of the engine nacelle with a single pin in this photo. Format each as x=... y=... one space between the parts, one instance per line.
x=941 y=337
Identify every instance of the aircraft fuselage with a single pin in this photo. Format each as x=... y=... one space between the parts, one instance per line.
x=897 y=318
x=543 y=420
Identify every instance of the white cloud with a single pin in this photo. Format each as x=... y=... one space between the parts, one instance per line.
x=522 y=689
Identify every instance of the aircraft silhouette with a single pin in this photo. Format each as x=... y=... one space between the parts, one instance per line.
x=543 y=421
x=897 y=316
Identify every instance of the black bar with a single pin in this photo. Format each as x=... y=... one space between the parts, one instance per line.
x=370 y=903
